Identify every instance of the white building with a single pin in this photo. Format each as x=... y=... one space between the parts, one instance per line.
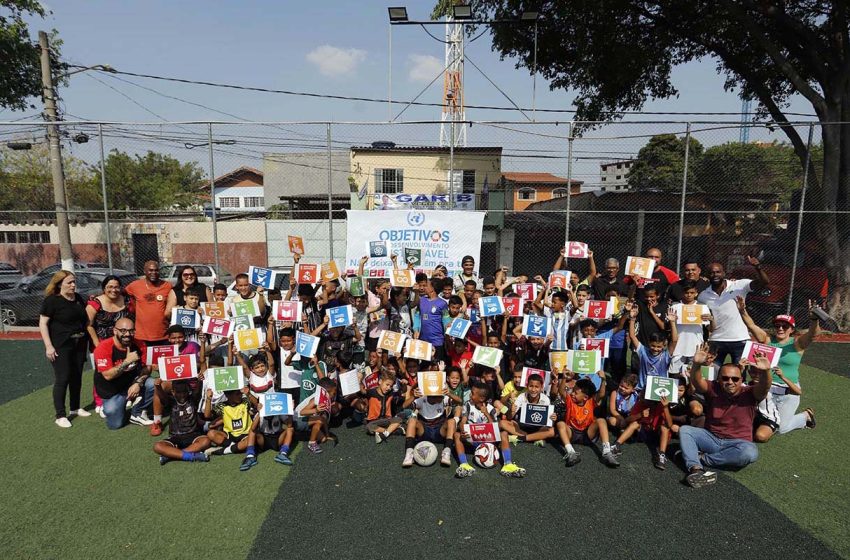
x=613 y=175
x=241 y=190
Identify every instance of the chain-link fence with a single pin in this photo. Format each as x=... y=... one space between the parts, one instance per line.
x=699 y=192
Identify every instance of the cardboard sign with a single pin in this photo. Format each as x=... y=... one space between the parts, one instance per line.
x=527 y=292
x=709 y=373
x=486 y=432
x=226 y=378
x=558 y=361
x=307 y=273
x=263 y=277
x=323 y=400
x=458 y=327
x=214 y=309
x=600 y=344
x=513 y=306
x=576 y=250
x=242 y=322
x=186 y=318
x=349 y=382
x=287 y=311
x=296 y=244
x=617 y=304
x=690 y=314
x=419 y=350
x=217 y=327
x=175 y=368
x=473 y=314
x=245 y=308
x=491 y=306
x=413 y=256
x=546 y=375
x=329 y=271
x=403 y=278
x=586 y=362
x=559 y=279
x=539 y=415
x=248 y=339
x=370 y=380
x=356 y=286
x=306 y=344
x=290 y=378
x=432 y=383
x=154 y=353
x=276 y=404
x=340 y=316
x=391 y=341
x=537 y=326
x=597 y=310
x=486 y=356
x=771 y=352
x=660 y=387
x=640 y=266
x=379 y=250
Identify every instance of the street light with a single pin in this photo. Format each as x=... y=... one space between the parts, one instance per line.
x=397 y=13
x=462 y=11
x=529 y=16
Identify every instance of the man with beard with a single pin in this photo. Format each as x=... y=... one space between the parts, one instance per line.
x=608 y=280
x=730 y=334
x=691 y=272
x=121 y=375
x=151 y=296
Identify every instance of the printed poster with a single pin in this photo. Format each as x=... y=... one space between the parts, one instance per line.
x=432 y=383
x=660 y=387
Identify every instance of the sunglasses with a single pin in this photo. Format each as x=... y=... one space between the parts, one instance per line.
x=781 y=326
x=730 y=378
x=188 y=275
x=126 y=331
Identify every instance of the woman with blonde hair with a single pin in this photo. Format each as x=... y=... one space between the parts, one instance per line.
x=63 y=323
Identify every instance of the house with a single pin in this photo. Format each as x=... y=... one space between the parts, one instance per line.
x=240 y=190
x=613 y=175
x=526 y=188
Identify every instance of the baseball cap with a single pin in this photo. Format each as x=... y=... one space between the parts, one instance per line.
x=784 y=319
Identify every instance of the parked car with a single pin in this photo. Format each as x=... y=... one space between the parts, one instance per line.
x=281 y=281
x=9 y=275
x=21 y=305
x=206 y=273
x=50 y=270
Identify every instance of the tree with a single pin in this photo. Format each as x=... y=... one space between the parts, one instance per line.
x=660 y=164
x=151 y=182
x=617 y=54
x=26 y=183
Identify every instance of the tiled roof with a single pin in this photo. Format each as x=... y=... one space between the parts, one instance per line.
x=539 y=178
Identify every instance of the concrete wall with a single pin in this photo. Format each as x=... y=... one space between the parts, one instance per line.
x=303 y=173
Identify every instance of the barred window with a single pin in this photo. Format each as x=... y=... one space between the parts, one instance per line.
x=24 y=237
x=228 y=202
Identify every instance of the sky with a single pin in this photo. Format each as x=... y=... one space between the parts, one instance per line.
x=325 y=47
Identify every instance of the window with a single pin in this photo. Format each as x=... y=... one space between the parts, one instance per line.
x=228 y=202
x=558 y=193
x=526 y=194
x=24 y=237
x=254 y=201
x=619 y=166
x=619 y=177
x=604 y=178
x=389 y=181
x=464 y=181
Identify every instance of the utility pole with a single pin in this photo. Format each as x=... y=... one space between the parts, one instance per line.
x=66 y=255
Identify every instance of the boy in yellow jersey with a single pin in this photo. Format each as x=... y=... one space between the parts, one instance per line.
x=238 y=430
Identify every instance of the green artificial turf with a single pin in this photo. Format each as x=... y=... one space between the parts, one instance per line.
x=23 y=369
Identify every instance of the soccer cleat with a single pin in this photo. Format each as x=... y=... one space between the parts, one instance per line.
x=163 y=460
x=81 y=412
x=408 y=458
x=609 y=460
x=156 y=429
x=214 y=450
x=379 y=437
x=314 y=448
x=512 y=470
x=248 y=462
x=283 y=459
x=464 y=470
x=572 y=458
x=699 y=478
x=660 y=461
x=616 y=450
x=513 y=440
x=200 y=457
x=540 y=443
x=446 y=457
x=141 y=419
x=63 y=422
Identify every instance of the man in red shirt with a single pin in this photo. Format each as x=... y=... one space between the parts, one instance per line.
x=150 y=295
x=730 y=408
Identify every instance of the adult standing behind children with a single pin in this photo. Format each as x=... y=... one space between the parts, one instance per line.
x=150 y=295
x=610 y=278
x=467 y=274
x=187 y=278
x=691 y=272
x=63 y=322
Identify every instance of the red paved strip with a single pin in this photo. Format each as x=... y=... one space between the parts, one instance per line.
x=20 y=335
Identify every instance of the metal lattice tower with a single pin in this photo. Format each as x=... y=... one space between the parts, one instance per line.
x=744 y=134
x=453 y=113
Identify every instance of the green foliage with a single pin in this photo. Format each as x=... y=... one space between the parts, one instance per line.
x=151 y=182
x=660 y=164
x=27 y=184
x=755 y=168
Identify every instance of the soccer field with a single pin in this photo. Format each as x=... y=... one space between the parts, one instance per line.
x=91 y=493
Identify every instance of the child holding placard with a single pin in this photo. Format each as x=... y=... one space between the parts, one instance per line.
x=691 y=334
x=186 y=441
x=524 y=432
x=246 y=292
x=261 y=368
x=176 y=335
x=655 y=358
x=317 y=419
x=274 y=433
x=238 y=429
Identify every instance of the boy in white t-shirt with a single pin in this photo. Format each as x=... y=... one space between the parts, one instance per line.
x=430 y=423
x=524 y=432
x=691 y=337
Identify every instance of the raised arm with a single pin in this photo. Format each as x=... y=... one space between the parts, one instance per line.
x=591 y=265
x=674 y=331
x=559 y=262
x=701 y=358
x=761 y=281
x=804 y=340
x=762 y=386
x=757 y=332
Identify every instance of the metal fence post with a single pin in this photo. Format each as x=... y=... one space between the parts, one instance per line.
x=684 y=191
x=330 y=198
x=800 y=219
x=212 y=199
x=569 y=182
x=105 y=200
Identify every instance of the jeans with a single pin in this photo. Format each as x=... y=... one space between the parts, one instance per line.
x=727 y=348
x=115 y=407
x=717 y=452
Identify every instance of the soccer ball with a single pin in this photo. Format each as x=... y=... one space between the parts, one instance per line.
x=425 y=454
x=486 y=455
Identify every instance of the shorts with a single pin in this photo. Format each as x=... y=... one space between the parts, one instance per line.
x=581 y=437
x=270 y=442
x=432 y=432
x=231 y=439
x=302 y=423
x=182 y=441
x=373 y=425
x=532 y=429
x=761 y=420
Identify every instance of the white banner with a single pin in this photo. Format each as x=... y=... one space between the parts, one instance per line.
x=404 y=201
x=445 y=237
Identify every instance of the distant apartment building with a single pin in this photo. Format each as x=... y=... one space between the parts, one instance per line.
x=614 y=175
x=529 y=187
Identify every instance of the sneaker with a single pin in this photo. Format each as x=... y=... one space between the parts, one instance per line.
x=214 y=450
x=699 y=478
x=446 y=457
x=141 y=419
x=314 y=448
x=81 y=412
x=616 y=450
x=464 y=470
x=539 y=443
x=810 y=421
x=513 y=440
x=248 y=462
x=572 y=458
x=164 y=460
x=408 y=458
x=609 y=460
x=378 y=437
x=512 y=470
x=100 y=411
x=200 y=457
x=283 y=459
x=63 y=422
x=660 y=461
x=156 y=429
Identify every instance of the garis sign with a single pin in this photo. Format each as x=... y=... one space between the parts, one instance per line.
x=404 y=201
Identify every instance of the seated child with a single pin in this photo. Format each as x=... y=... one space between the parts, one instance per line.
x=186 y=442
x=430 y=423
x=238 y=430
x=316 y=416
x=525 y=432
x=622 y=402
x=653 y=419
x=580 y=424
x=382 y=407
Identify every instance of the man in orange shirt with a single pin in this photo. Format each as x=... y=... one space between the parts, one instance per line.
x=150 y=295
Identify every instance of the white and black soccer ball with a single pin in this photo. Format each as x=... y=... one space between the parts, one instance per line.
x=425 y=453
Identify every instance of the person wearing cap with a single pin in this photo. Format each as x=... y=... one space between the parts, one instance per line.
x=468 y=273
x=786 y=389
